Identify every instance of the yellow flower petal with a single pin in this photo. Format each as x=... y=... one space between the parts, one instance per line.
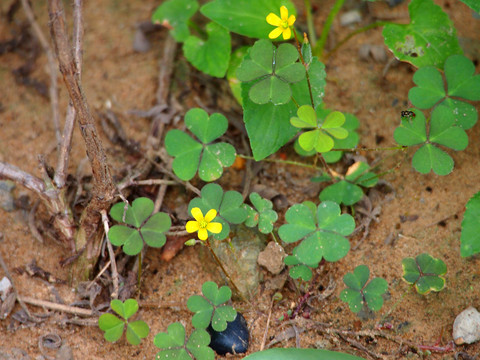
x=211 y=214
x=203 y=234
x=214 y=227
x=287 y=33
x=291 y=20
x=192 y=226
x=284 y=13
x=197 y=214
x=273 y=19
x=275 y=33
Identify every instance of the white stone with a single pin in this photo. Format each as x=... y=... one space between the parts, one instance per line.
x=466 y=327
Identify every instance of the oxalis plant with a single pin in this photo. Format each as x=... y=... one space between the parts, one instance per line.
x=280 y=88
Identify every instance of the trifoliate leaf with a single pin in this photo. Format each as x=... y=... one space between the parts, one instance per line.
x=426 y=272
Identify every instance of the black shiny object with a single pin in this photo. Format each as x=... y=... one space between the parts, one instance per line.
x=234 y=339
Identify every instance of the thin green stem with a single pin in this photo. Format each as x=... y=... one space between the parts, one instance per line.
x=352 y=34
x=305 y=66
x=320 y=46
x=288 y=162
x=139 y=274
x=311 y=28
x=219 y=263
x=394 y=306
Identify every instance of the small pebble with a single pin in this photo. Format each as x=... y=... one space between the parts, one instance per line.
x=272 y=258
x=350 y=17
x=466 y=327
x=234 y=339
x=6 y=198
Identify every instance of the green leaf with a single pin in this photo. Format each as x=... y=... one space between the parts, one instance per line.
x=190 y=156
x=351 y=141
x=304 y=354
x=443 y=132
x=113 y=326
x=429 y=90
x=359 y=293
x=153 y=231
x=265 y=217
x=205 y=128
x=459 y=71
x=342 y=192
x=470 y=238
x=412 y=132
x=348 y=191
x=322 y=232
x=268 y=126
x=172 y=344
x=317 y=76
x=430 y=157
x=235 y=60
x=209 y=309
x=425 y=272
x=271 y=70
x=175 y=15
x=246 y=17
x=333 y=120
x=136 y=214
x=465 y=114
x=307 y=118
x=186 y=152
x=211 y=56
x=429 y=38
x=198 y=343
x=136 y=331
x=473 y=4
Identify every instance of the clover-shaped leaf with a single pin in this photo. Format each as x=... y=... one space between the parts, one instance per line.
x=174 y=14
x=443 y=131
x=426 y=272
x=209 y=308
x=139 y=226
x=263 y=216
x=429 y=38
x=190 y=155
x=298 y=270
x=173 y=344
x=470 y=238
x=320 y=138
x=349 y=191
x=461 y=83
x=359 y=293
x=113 y=326
x=273 y=70
x=213 y=55
x=228 y=205
x=321 y=229
x=351 y=124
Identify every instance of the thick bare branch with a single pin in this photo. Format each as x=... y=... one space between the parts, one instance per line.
x=66 y=145
x=103 y=189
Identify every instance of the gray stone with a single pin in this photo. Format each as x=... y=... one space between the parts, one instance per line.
x=239 y=257
x=466 y=327
x=6 y=197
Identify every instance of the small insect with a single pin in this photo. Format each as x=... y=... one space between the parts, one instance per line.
x=407 y=115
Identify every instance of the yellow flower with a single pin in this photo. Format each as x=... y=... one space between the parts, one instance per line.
x=203 y=224
x=283 y=23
